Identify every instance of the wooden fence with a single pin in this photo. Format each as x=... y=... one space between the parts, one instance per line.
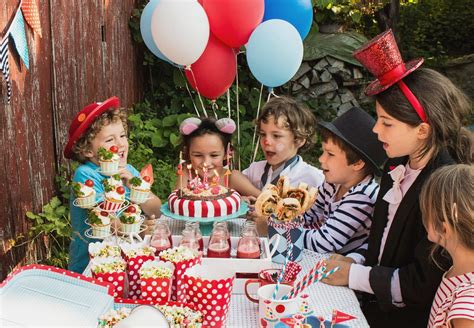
x=86 y=54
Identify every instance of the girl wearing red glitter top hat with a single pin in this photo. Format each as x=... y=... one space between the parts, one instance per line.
x=419 y=121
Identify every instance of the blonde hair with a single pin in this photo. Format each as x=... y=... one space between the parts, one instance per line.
x=297 y=118
x=447 y=197
x=84 y=143
x=446 y=108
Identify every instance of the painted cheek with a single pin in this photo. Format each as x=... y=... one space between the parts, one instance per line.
x=279 y=147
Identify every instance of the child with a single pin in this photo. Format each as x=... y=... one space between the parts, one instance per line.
x=342 y=213
x=447 y=206
x=285 y=129
x=419 y=117
x=98 y=125
x=205 y=143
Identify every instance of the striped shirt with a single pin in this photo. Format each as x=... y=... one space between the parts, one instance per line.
x=453 y=300
x=340 y=226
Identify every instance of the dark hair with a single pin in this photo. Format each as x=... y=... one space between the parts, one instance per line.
x=298 y=118
x=445 y=106
x=351 y=155
x=207 y=126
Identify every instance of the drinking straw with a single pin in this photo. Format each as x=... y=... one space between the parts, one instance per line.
x=292 y=271
x=316 y=278
x=308 y=279
x=282 y=272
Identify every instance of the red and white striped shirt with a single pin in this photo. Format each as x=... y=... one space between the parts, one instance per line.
x=454 y=299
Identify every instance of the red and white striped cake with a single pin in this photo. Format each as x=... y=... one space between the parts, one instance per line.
x=205 y=207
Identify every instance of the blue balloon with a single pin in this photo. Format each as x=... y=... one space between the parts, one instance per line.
x=298 y=13
x=274 y=52
x=145 y=29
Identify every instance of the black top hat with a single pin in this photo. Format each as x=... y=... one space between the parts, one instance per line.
x=355 y=128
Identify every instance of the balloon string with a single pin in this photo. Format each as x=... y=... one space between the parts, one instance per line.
x=190 y=94
x=197 y=90
x=254 y=146
x=214 y=107
x=228 y=101
x=238 y=108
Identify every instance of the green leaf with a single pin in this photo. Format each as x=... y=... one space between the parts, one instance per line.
x=175 y=139
x=170 y=120
x=158 y=141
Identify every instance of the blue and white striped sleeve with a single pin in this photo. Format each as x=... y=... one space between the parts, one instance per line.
x=346 y=228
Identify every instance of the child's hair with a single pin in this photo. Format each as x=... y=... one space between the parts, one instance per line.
x=207 y=126
x=297 y=118
x=445 y=106
x=351 y=155
x=84 y=142
x=447 y=196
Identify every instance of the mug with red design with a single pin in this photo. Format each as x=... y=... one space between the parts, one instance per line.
x=271 y=310
x=265 y=277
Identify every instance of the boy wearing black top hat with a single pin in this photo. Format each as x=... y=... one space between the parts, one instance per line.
x=340 y=219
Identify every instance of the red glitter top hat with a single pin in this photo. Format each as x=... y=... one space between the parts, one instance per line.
x=382 y=58
x=84 y=119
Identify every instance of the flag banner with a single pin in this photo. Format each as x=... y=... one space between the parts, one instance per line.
x=338 y=317
x=5 y=67
x=31 y=13
x=17 y=31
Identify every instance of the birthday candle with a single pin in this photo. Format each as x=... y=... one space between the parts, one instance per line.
x=190 y=175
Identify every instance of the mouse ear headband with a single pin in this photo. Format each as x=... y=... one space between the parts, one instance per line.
x=189 y=125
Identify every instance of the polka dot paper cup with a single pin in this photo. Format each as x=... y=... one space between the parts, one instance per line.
x=133 y=266
x=156 y=289
x=177 y=288
x=210 y=291
x=116 y=278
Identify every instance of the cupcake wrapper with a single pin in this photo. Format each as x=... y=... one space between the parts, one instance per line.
x=131 y=227
x=111 y=206
x=139 y=196
x=177 y=288
x=156 y=289
x=109 y=167
x=116 y=278
x=101 y=231
x=133 y=266
x=86 y=202
x=211 y=297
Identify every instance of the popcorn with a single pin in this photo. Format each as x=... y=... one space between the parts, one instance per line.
x=112 y=317
x=104 y=249
x=178 y=254
x=134 y=250
x=107 y=264
x=156 y=269
x=179 y=316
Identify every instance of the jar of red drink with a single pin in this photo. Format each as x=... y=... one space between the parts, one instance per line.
x=197 y=231
x=189 y=238
x=161 y=239
x=223 y=225
x=218 y=243
x=249 y=243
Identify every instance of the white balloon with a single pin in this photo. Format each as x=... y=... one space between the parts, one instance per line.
x=180 y=29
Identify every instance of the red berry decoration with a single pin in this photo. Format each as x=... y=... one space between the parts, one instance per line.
x=146 y=178
x=114 y=149
x=104 y=213
x=120 y=190
x=131 y=209
x=89 y=183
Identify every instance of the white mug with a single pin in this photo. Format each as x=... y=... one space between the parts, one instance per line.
x=271 y=310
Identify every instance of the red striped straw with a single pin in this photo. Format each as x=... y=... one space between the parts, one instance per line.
x=292 y=271
x=307 y=280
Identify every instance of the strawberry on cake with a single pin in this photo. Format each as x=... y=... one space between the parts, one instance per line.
x=85 y=194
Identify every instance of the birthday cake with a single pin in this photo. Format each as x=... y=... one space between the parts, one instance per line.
x=204 y=203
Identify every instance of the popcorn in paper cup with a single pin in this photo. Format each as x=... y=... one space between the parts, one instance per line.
x=181 y=316
x=210 y=289
x=104 y=249
x=110 y=269
x=136 y=255
x=112 y=317
x=182 y=258
x=155 y=280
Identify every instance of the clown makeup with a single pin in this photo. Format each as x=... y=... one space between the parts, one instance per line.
x=277 y=141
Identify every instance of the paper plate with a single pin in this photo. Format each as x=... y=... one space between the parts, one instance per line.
x=241 y=212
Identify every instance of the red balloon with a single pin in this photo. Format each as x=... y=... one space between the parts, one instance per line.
x=214 y=72
x=232 y=21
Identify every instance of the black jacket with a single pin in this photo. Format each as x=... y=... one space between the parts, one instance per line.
x=406 y=248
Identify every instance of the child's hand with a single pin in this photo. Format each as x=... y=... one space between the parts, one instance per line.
x=126 y=175
x=339 y=257
x=250 y=200
x=341 y=276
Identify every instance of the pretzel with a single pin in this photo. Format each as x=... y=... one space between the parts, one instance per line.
x=283 y=185
x=288 y=209
x=266 y=203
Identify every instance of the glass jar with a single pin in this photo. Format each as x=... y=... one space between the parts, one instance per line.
x=249 y=243
x=218 y=244
x=195 y=226
x=161 y=238
x=189 y=239
x=223 y=225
